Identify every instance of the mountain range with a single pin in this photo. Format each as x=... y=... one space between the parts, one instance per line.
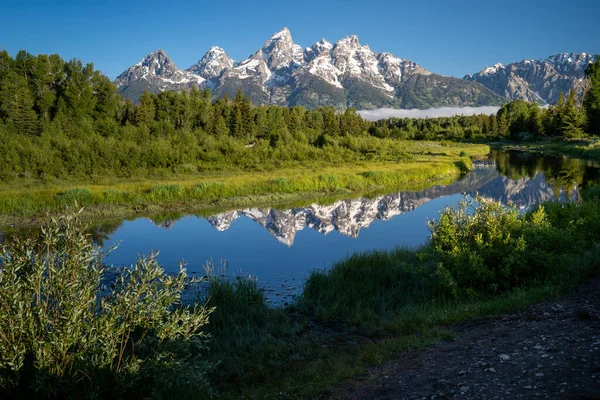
x=348 y=74
x=538 y=81
x=342 y=74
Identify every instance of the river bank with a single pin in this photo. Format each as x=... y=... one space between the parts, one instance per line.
x=586 y=148
x=27 y=201
x=548 y=350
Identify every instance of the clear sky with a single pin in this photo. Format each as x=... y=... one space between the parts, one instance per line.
x=446 y=37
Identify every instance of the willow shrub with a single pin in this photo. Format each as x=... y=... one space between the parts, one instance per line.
x=486 y=247
x=63 y=333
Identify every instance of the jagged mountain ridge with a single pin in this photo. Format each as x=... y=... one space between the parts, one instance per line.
x=343 y=74
x=156 y=73
x=536 y=80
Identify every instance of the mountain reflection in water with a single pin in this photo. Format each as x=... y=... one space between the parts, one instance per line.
x=349 y=217
x=317 y=235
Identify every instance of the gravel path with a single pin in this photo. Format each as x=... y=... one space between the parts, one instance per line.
x=549 y=351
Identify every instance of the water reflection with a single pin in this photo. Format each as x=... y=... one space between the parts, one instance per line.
x=517 y=178
x=280 y=246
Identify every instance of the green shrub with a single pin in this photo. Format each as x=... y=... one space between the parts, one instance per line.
x=464 y=164
x=329 y=181
x=371 y=174
x=63 y=334
x=483 y=245
x=281 y=184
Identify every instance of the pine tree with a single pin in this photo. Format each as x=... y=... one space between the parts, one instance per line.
x=146 y=110
x=572 y=119
x=536 y=123
x=16 y=103
x=591 y=102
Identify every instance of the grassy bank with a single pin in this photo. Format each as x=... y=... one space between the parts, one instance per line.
x=361 y=312
x=587 y=148
x=372 y=306
x=425 y=164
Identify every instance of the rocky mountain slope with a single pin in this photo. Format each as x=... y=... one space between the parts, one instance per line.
x=156 y=73
x=536 y=80
x=342 y=75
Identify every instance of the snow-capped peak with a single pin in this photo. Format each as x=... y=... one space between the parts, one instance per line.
x=351 y=41
x=212 y=63
x=493 y=69
x=155 y=61
x=279 y=50
x=160 y=73
x=282 y=33
x=571 y=63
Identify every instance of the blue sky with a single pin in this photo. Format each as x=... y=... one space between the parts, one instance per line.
x=446 y=37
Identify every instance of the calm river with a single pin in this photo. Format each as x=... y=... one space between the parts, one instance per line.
x=280 y=247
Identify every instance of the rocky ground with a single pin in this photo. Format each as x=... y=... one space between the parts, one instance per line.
x=549 y=351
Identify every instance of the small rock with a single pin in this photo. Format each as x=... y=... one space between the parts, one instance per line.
x=539 y=374
x=490 y=370
x=504 y=357
x=462 y=372
x=464 y=389
x=528 y=387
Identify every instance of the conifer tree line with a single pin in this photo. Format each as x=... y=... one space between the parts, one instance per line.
x=62 y=118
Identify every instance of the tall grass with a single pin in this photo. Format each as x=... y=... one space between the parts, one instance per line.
x=472 y=257
x=112 y=197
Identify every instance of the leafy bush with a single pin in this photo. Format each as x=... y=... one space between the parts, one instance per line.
x=281 y=184
x=329 y=181
x=371 y=174
x=464 y=164
x=484 y=245
x=63 y=333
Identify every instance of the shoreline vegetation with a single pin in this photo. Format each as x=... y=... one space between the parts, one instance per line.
x=27 y=201
x=66 y=137
x=360 y=312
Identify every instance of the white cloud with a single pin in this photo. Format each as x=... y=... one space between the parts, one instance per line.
x=381 y=113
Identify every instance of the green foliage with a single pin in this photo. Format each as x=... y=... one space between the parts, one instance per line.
x=591 y=100
x=464 y=164
x=166 y=192
x=369 y=287
x=483 y=246
x=79 y=195
x=64 y=334
x=477 y=252
x=248 y=336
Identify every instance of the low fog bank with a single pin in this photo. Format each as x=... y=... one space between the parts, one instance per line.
x=384 y=113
